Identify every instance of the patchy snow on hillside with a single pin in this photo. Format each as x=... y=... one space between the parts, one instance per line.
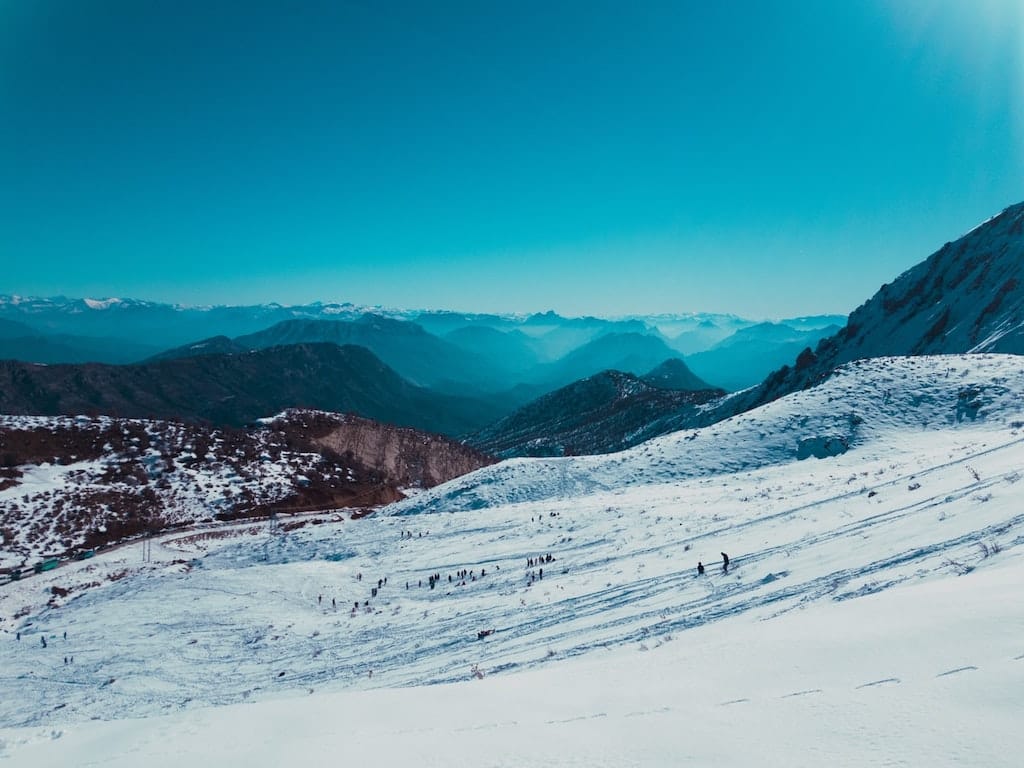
x=869 y=616
x=124 y=473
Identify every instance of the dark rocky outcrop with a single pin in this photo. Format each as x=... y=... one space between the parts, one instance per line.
x=600 y=414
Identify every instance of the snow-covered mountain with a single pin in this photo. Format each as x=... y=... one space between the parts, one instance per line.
x=871 y=506
x=966 y=297
x=863 y=401
x=839 y=567
x=68 y=483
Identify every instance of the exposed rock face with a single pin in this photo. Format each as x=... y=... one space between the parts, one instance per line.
x=410 y=458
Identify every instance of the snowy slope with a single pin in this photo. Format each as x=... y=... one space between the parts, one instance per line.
x=966 y=297
x=925 y=675
x=870 y=613
x=864 y=401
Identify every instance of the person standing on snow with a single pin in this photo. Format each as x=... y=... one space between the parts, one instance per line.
x=700 y=568
x=725 y=563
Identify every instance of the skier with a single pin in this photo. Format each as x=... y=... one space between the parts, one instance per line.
x=725 y=563
x=700 y=568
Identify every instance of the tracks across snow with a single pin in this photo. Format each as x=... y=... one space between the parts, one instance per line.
x=280 y=614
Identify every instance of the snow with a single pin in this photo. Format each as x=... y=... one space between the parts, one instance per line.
x=101 y=303
x=880 y=401
x=48 y=508
x=44 y=477
x=871 y=615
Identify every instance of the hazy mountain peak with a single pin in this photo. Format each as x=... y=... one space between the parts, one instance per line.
x=674 y=374
x=101 y=303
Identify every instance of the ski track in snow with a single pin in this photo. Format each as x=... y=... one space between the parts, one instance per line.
x=922 y=494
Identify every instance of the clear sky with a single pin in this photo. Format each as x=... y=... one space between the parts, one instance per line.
x=767 y=158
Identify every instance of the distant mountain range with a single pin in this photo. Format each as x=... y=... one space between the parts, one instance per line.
x=169 y=325
x=513 y=356
x=236 y=389
x=743 y=359
x=517 y=383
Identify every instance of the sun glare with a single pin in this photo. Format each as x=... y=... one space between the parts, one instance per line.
x=981 y=40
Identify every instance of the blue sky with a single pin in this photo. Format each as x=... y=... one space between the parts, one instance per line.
x=763 y=158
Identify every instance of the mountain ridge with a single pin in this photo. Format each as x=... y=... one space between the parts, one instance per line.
x=603 y=413
x=965 y=298
x=234 y=390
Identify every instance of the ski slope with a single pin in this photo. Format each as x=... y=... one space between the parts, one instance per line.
x=871 y=612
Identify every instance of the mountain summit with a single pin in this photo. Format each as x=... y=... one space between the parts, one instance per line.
x=967 y=297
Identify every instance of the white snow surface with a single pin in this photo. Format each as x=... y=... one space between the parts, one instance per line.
x=101 y=303
x=871 y=615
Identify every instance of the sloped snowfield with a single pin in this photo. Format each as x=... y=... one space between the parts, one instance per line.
x=871 y=614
